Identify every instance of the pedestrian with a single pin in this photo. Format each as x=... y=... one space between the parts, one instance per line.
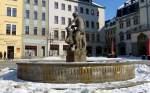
x=11 y=56
x=1 y=55
x=4 y=55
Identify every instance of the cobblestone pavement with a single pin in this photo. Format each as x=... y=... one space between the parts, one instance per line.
x=9 y=64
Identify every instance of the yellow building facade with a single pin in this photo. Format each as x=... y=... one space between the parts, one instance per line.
x=11 y=28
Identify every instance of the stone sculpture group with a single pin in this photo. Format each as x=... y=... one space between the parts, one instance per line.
x=76 y=39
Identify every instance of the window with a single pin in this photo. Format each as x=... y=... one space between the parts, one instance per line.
x=87 y=37
x=135 y=21
x=56 y=34
x=97 y=25
x=63 y=35
x=43 y=3
x=8 y=11
x=8 y=29
x=93 y=37
x=97 y=13
x=75 y=8
x=43 y=31
x=35 y=2
x=43 y=16
x=35 y=30
x=63 y=20
x=13 y=29
x=121 y=35
x=11 y=11
x=87 y=24
x=35 y=15
x=27 y=1
x=62 y=6
x=128 y=36
x=87 y=11
x=69 y=20
x=56 y=5
x=27 y=30
x=121 y=25
x=92 y=24
x=56 y=19
x=81 y=10
x=27 y=15
x=14 y=12
x=92 y=12
x=69 y=8
x=128 y=23
x=98 y=37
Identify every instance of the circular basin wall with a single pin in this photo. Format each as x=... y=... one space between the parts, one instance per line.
x=75 y=72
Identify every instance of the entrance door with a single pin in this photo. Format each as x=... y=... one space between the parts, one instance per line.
x=98 y=51
x=122 y=48
x=43 y=50
x=142 y=44
x=10 y=52
x=89 y=51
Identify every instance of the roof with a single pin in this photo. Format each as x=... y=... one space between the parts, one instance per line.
x=98 y=5
x=127 y=3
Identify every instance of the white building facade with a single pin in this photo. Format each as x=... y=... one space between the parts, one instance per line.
x=60 y=14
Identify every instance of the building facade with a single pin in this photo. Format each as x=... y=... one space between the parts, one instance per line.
x=60 y=15
x=110 y=36
x=127 y=22
x=11 y=26
x=35 y=28
x=133 y=28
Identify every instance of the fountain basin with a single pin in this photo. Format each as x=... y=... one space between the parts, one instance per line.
x=59 y=72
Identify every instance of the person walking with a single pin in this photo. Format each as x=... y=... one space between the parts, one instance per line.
x=1 y=55
x=4 y=55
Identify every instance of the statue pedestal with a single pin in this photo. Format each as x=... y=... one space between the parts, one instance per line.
x=76 y=56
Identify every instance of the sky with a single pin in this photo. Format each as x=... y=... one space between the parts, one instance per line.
x=111 y=7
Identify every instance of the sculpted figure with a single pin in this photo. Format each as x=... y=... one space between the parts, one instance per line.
x=76 y=32
x=76 y=40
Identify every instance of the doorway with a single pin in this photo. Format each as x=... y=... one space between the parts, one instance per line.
x=10 y=52
x=142 y=44
x=98 y=51
x=43 y=51
x=122 y=48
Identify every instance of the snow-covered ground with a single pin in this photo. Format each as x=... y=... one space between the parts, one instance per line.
x=89 y=59
x=121 y=58
x=10 y=84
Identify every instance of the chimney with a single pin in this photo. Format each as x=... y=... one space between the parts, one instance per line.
x=125 y=4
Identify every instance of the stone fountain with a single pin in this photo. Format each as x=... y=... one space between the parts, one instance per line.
x=75 y=69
